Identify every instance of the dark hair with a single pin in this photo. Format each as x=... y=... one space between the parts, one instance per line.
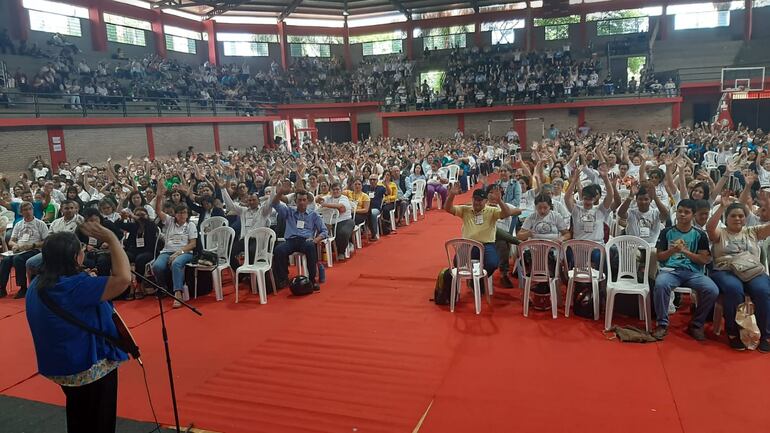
x=66 y=202
x=544 y=198
x=180 y=208
x=642 y=191
x=735 y=206
x=705 y=187
x=702 y=204
x=92 y=211
x=130 y=201
x=106 y=201
x=592 y=191
x=60 y=252
x=689 y=204
x=657 y=173
x=301 y=192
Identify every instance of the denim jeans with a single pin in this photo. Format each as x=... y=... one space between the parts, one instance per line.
x=34 y=263
x=160 y=269
x=733 y=292
x=491 y=260
x=373 y=225
x=667 y=281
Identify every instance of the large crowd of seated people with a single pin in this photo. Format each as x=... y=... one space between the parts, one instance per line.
x=474 y=77
x=698 y=195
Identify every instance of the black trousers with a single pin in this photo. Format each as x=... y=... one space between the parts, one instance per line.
x=18 y=262
x=93 y=408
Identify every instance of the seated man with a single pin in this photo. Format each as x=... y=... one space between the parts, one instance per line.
x=480 y=221
x=683 y=251
x=26 y=240
x=304 y=231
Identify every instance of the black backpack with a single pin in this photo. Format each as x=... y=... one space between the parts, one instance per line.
x=443 y=290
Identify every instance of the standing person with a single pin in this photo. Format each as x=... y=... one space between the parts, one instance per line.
x=181 y=238
x=26 y=239
x=480 y=221
x=738 y=243
x=304 y=231
x=683 y=251
x=86 y=367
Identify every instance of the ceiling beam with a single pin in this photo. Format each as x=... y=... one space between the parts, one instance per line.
x=289 y=9
x=167 y=4
x=222 y=7
x=401 y=8
x=475 y=5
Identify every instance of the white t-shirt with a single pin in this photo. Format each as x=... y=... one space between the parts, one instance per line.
x=29 y=232
x=343 y=200
x=177 y=236
x=645 y=225
x=589 y=224
x=547 y=227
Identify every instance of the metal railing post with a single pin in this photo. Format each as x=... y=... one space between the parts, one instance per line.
x=214 y=107
x=157 y=105
x=123 y=102
x=187 y=103
x=37 y=106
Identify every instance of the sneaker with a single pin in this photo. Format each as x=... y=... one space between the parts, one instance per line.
x=660 y=333
x=176 y=304
x=764 y=346
x=736 y=343
x=671 y=306
x=316 y=287
x=340 y=257
x=506 y=282
x=697 y=333
x=21 y=294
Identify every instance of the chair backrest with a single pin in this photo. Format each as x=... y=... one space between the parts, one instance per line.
x=766 y=254
x=628 y=266
x=453 y=169
x=539 y=250
x=418 y=189
x=265 y=241
x=220 y=241
x=462 y=250
x=710 y=158
x=330 y=218
x=581 y=255
x=208 y=226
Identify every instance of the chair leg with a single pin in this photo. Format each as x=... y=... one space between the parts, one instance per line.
x=647 y=312
x=216 y=281
x=568 y=301
x=261 y=287
x=641 y=307
x=329 y=252
x=525 y=297
x=595 y=289
x=477 y=293
x=608 y=310
x=272 y=280
x=554 y=298
x=235 y=284
x=717 y=318
x=453 y=293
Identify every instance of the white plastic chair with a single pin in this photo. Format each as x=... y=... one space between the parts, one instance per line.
x=358 y=228
x=461 y=250
x=627 y=279
x=539 y=270
x=582 y=270
x=261 y=264
x=418 y=197
x=208 y=225
x=710 y=160
x=300 y=259
x=220 y=241
x=330 y=218
x=452 y=173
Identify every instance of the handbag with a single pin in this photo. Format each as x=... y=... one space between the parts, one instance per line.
x=745 y=266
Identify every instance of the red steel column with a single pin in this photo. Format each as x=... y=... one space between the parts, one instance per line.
x=346 y=41
x=385 y=132
x=98 y=28
x=56 y=146
x=217 y=145
x=409 y=40
x=461 y=122
x=354 y=127
x=283 y=45
x=520 y=126
x=676 y=114
x=160 y=37
x=748 y=18
x=211 y=31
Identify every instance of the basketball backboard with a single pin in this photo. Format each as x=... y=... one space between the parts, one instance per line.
x=749 y=79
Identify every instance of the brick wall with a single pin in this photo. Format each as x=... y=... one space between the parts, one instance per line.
x=96 y=144
x=642 y=118
x=476 y=124
x=426 y=126
x=375 y=123
x=560 y=118
x=19 y=147
x=171 y=139
x=241 y=135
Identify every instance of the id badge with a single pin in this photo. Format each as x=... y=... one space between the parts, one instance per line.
x=588 y=224
x=644 y=232
x=371 y=195
x=479 y=219
x=300 y=224
x=92 y=241
x=140 y=242
x=24 y=237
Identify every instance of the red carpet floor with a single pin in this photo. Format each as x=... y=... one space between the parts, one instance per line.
x=370 y=353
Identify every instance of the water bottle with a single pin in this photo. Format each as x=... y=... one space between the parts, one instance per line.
x=321 y=273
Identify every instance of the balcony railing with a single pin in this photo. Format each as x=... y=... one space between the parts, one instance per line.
x=81 y=105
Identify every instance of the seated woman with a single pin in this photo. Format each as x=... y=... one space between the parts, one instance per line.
x=136 y=200
x=738 y=244
x=84 y=365
x=544 y=223
x=181 y=238
x=361 y=201
x=345 y=224
x=140 y=244
x=96 y=254
x=436 y=184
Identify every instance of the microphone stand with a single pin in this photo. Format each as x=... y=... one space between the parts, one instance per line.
x=159 y=291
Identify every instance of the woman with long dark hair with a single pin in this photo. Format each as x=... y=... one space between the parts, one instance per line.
x=84 y=365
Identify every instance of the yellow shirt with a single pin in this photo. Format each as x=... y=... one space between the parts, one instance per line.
x=485 y=231
x=359 y=198
x=394 y=193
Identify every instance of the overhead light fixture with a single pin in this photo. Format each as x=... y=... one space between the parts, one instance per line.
x=345 y=13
